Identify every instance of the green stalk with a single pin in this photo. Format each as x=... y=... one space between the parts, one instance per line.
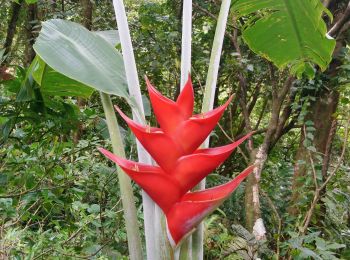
x=186 y=250
x=164 y=249
x=155 y=234
x=186 y=247
x=132 y=227
x=186 y=41
x=208 y=103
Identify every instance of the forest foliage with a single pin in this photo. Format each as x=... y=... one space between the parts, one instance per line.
x=60 y=199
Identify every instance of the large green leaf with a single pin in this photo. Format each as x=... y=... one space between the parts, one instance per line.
x=81 y=55
x=53 y=83
x=287 y=32
x=111 y=36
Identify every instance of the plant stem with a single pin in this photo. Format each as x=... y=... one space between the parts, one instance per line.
x=163 y=247
x=208 y=103
x=186 y=247
x=212 y=75
x=186 y=41
x=134 y=238
x=152 y=214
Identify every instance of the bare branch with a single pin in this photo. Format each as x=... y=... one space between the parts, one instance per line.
x=337 y=27
x=261 y=113
x=317 y=194
x=327 y=155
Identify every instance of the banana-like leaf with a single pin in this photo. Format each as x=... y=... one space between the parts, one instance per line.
x=81 y=55
x=111 y=36
x=287 y=32
x=53 y=83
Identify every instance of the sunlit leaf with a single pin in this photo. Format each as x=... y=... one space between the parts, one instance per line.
x=287 y=32
x=53 y=83
x=79 y=54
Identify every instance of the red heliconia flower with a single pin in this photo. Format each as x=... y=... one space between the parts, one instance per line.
x=181 y=164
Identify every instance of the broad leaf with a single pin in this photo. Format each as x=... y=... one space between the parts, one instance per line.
x=26 y=91
x=53 y=83
x=79 y=54
x=110 y=36
x=287 y=32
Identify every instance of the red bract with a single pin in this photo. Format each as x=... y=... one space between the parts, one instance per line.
x=182 y=165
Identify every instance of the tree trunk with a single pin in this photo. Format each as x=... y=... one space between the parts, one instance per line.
x=32 y=16
x=11 y=28
x=53 y=6
x=63 y=8
x=87 y=14
x=87 y=9
x=253 y=218
x=322 y=115
x=252 y=203
x=254 y=221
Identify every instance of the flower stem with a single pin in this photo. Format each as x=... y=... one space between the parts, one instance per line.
x=132 y=228
x=155 y=234
x=186 y=247
x=208 y=103
x=186 y=41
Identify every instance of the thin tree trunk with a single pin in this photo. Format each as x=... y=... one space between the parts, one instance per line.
x=254 y=221
x=63 y=8
x=87 y=9
x=53 y=6
x=11 y=28
x=32 y=16
x=87 y=14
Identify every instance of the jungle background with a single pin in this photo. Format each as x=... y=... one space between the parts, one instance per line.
x=59 y=198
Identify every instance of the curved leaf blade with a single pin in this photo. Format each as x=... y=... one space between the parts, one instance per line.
x=81 y=55
x=287 y=32
x=53 y=83
x=110 y=36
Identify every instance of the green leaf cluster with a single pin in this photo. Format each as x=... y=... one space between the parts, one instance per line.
x=287 y=32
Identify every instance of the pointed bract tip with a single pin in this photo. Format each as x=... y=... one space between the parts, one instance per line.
x=148 y=83
x=229 y=100
x=116 y=108
x=252 y=132
x=119 y=111
x=103 y=151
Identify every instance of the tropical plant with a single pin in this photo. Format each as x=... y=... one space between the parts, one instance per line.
x=59 y=194
x=272 y=27
x=183 y=166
